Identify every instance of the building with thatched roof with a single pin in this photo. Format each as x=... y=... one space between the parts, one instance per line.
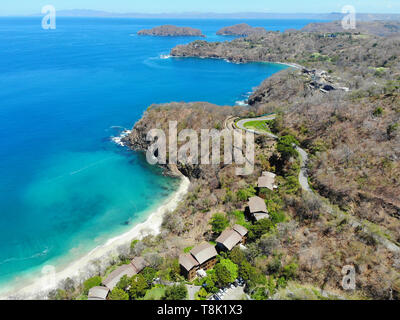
x=127 y=269
x=188 y=265
x=231 y=237
x=139 y=264
x=98 y=293
x=267 y=180
x=258 y=208
x=240 y=229
x=203 y=256
x=228 y=239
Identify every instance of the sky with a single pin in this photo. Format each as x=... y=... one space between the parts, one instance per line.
x=10 y=7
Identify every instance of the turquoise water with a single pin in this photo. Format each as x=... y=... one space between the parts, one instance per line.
x=65 y=187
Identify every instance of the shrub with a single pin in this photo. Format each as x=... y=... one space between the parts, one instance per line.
x=245 y=194
x=291 y=185
x=187 y=249
x=149 y=274
x=219 y=222
x=237 y=256
x=259 y=228
x=118 y=294
x=391 y=130
x=289 y=271
x=138 y=286
x=90 y=283
x=201 y=294
x=176 y=292
x=229 y=196
x=260 y=293
x=124 y=282
x=378 y=112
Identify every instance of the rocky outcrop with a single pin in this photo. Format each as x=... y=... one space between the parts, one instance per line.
x=171 y=31
x=196 y=116
x=243 y=30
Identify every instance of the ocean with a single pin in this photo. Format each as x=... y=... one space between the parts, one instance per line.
x=65 y=186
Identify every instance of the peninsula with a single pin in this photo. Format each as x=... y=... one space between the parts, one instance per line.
x=171 y=31
x=242 y=30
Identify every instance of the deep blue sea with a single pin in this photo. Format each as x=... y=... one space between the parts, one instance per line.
x=65 y=186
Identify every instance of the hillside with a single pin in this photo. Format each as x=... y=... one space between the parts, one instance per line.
x=305 y=235
x=171 y=31
x=378 y=28
x=242 y=30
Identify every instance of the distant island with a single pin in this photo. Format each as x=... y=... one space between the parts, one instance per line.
x=212 y=15
x=171 y=31
x=242 y=29
x=377 y=28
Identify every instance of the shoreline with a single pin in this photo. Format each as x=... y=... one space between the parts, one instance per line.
x=79 y=269
x=289 y=64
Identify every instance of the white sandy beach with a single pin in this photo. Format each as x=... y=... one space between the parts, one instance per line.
x=80 y=269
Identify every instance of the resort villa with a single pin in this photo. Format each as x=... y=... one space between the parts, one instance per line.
x=231 y=238
x=129 y=270
x=258 y=208
x=98 y=293
x=267 y=180
x=202 y=257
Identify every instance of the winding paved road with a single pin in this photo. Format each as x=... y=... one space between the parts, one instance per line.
x=303 y=181
x=303 y=178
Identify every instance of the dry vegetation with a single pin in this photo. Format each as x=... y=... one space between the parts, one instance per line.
x=353 y=138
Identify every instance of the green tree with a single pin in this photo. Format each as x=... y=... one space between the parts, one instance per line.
x=222 y=274
x=237 y=255
x=118 y=294
x=90 y=283
x=261 y=293
x=202 y=294
x=226 y=271
x=124 y=282
x=289 y=271
x=259 y=228
x=219 y=222
x=138 y=286
x=245 y=194
x=285 y=147
x=210 y=284
x=149 y=274
x=247 y=271
x=175 y=292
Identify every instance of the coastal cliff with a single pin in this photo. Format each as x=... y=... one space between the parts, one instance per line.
x=171 y=31
x=196 y=116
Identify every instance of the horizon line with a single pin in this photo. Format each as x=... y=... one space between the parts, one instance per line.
x=115 y=13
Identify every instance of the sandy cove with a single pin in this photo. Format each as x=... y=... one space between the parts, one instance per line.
x=79 y=270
